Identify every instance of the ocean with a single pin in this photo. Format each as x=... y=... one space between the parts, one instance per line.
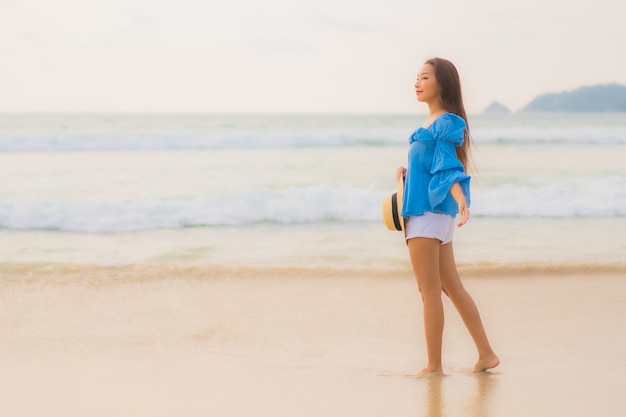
x=305 y=191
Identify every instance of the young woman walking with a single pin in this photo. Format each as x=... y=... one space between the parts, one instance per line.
x=436 y=190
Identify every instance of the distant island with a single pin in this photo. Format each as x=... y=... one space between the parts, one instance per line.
x=598 y=98
x=496 y=107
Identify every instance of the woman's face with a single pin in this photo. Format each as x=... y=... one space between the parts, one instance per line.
x=426 y=86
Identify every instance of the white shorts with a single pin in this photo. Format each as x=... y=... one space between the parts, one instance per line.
x=431 y=225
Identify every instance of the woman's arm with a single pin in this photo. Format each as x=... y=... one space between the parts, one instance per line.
x=459 y=197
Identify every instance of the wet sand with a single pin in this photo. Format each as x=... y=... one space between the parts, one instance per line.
x=196 y=341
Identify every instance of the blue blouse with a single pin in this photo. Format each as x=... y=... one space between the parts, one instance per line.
x=434 y=167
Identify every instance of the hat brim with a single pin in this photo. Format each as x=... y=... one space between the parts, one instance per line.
x=392 y=209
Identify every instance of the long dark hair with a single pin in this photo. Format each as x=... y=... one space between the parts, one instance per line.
x=450 y=93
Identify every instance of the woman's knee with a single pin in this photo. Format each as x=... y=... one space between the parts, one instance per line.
x=453 y=289
x=430 y=291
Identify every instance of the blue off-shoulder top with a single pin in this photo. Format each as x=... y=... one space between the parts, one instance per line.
x=433 y=168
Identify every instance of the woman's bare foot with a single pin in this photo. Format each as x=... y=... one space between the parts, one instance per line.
x=487 y=362
x=429 y=372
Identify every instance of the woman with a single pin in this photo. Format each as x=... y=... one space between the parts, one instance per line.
x=436 y=190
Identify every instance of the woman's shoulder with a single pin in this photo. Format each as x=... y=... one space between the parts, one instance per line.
x=448 y=126
x=448 y=121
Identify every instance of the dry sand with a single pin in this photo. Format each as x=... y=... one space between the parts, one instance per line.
x=163 y=341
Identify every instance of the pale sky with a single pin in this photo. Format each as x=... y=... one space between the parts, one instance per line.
x=349 y=56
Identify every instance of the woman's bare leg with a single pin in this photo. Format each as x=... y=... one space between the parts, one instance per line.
x=453 y=287
x=424 y=253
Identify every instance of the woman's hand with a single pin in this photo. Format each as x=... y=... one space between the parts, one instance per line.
x=459 y=197
x=400 y=173
x=463 y=212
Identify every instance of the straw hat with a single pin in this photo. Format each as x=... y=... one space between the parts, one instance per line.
x=392 y=209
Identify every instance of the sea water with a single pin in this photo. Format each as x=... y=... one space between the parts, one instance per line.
x=298 y=190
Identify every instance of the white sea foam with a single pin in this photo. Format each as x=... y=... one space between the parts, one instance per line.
x=167 y=132
x=538 y=135
x=106 y=141
x=174 y=140
x=604 y=197
x=576 y=197
x=310 y=204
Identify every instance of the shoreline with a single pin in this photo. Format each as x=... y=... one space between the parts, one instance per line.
x=13 y=271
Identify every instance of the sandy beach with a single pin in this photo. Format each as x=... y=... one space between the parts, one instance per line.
x=156 y=340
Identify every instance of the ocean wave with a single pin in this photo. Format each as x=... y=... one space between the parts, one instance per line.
x=573 y=197
x=543 y=135
x=61 y=133
x=102 y=215
x=604 y=197
x=190 y=140
x=181 y=140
